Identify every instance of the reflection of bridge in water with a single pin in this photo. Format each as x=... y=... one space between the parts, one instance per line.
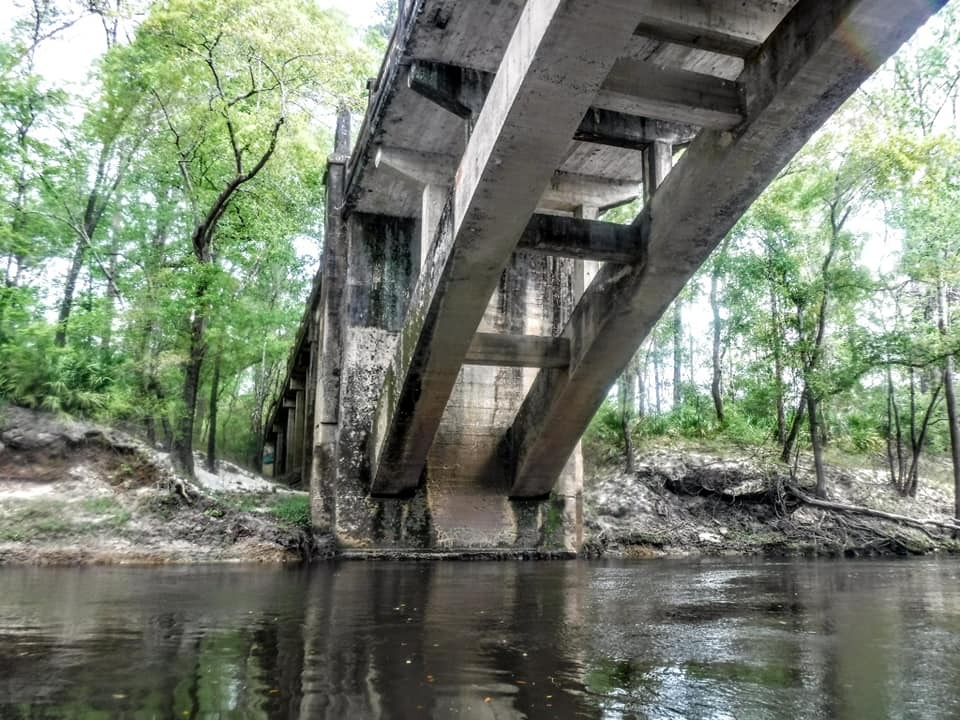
x=471 y=311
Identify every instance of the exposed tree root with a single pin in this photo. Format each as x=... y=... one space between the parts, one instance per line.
x=918 y=523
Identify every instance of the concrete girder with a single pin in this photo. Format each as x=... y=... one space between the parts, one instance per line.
x=556 y=59
x=641 y=88
x=456 y=89
x=461 y=91
x=536 y=351
x=801 y=75
x=701 y=38
x=606 y=127
x=565 y=191
x=582 y=239
x=569 y=191
x=425 y=168
x=459 y=39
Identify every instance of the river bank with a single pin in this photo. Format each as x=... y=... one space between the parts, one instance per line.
x=690 y=501
x=75 y=493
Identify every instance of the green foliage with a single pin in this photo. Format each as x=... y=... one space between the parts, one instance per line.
x=196 y=94
x=293 y=510
x=38 y=374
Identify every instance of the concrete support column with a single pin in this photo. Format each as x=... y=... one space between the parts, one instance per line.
x=306 y=456
x=380 y=268
x=280 y=454
x=584 y=270
x=323 y=473
x=657 y=163
x=299 y=430
x=290 y=434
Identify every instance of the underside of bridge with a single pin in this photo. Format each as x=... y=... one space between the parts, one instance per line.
x=472 y=311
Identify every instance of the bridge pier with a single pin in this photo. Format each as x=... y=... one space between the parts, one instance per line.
x=462 y=501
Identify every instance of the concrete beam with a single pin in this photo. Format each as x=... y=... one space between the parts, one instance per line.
x=536 y=351
x=700 y=38
x=636 y=87
x=567 y=191
x=606 y=127
x=725 y=23
x=458 y=90
x=425 y=168
x=582 y=239
x=461 y=91
x=558 y=56
x=805 y=70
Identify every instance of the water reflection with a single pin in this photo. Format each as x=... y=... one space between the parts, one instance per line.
x=657 y=640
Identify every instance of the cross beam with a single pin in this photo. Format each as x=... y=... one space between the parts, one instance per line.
x=582 y=239
x=461 y=91
x=536 y=351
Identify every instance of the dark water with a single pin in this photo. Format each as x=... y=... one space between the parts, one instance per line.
x=657 y=639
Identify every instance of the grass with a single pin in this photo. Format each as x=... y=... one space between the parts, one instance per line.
x=42 y=519
x=292 y=510
x=46 y=518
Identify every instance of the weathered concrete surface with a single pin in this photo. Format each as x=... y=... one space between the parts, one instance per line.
x=462 y=503
x=803 y=72
x=465 y=480
x=558 y=56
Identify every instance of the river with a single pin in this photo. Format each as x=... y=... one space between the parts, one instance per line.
x=659 y=639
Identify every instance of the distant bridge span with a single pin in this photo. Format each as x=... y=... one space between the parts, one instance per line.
x=471 y=312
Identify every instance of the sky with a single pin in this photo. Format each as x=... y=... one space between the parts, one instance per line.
x=360 y=12
x=67 y=59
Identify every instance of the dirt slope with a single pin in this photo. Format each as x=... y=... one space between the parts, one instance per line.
x=77 y=493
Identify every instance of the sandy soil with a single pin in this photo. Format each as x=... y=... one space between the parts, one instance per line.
x=76 y=493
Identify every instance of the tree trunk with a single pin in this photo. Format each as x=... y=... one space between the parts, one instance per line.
x=625 y=404
x=777 y=335
x=951 y=400
x=111 y=303
x=642 y=388
x=918 y=438
x=950 y=397
x=92 y=213
x=183 y=440
x=677 y=353
x=716 y=382
x=212 y=416
x=656 y=381
x=895 y=459
x=814 y=422
x=202 y=241
x=795 y=426
x=69 y=288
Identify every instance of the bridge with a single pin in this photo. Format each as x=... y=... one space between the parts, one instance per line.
x=472 y=308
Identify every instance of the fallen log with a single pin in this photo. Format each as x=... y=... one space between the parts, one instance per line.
x=919 y=523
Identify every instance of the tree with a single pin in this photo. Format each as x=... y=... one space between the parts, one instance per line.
x=230 y=82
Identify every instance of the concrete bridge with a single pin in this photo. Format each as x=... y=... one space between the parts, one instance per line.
x=472 y=308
